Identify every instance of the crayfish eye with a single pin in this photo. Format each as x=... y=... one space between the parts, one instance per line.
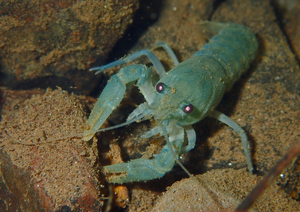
x=188 y=108
x=160 y=87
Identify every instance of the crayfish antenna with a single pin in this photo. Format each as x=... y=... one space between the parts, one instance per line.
x=136 y=119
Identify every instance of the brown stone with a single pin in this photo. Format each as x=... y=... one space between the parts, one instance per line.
x=44 y=167
x=47 y=44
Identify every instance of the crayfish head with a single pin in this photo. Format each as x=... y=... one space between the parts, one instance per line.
x=173 y=106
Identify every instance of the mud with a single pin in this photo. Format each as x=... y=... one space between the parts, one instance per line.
x=265 y=102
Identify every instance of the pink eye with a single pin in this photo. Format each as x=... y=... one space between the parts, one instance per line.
x=188 y=108
x=160 y=87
